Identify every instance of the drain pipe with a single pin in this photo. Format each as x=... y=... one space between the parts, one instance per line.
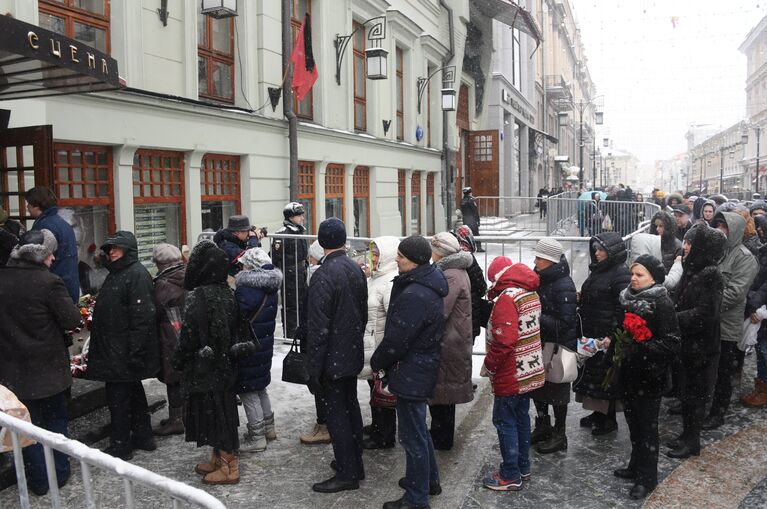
x=287 y=96
x=447 y=160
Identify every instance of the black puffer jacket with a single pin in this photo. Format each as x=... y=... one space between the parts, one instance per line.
x=601 y=312
x=558 y=305
x=478 y=291
x=411 y=347
x=124 y=345
x=670 y=245
x=337 y=315
x=699 y=293
x=645 y=370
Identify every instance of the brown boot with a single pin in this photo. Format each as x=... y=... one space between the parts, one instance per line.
x=211 y=466
x=755 y=400
x=173 y=426
x=228 y=471
x=760 y=385
x=319 y=435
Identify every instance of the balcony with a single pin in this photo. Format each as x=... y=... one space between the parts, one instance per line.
x=557 y=89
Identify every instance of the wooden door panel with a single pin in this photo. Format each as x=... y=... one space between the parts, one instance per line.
x=482 y=168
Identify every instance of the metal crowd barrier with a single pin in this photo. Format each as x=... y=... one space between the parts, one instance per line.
x=176 y=492
x=585 y=218
x=512 y=213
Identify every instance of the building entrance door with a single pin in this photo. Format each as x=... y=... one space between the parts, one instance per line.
x=482 y=169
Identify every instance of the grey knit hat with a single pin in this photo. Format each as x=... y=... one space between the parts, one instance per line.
x=445 y=244
x=255 y=258
x=238 y=223
x=549 y=249
x=165 y=254
x=35 y=246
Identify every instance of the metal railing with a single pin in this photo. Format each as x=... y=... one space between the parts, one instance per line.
x=177 y=492
x=512 y=214
x=585 y=218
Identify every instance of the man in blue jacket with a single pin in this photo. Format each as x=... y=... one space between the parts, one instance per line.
x=337 y=313
x=409 y=354
x=42 y=205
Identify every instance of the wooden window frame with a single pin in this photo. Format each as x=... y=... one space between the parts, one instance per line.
x=143 y=199
x=208 y=173
x=359 y=53
x=400 y=102
x=430 y=193
x=335 y=185
x=415 y=192
x=429 y=71
x=361 y=187
x=295 y=25
x=401 y=193
x=205 y=50
x=307 y=188
x=85 y=201
x=67 y=10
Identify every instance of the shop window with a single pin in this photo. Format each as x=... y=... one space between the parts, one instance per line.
x=83 y=183
x=84 y=20
x=360 y=83
x=361 y=183
x=334 y=191
x=158 y=199
x=415 y=201
x=400 y=96
x=215 y=58
x=303 y=109
x=431 y=227
x=306 y=191
x=402 y=197
x=220 y=189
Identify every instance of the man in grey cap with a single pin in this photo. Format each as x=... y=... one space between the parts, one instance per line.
x=236 y=238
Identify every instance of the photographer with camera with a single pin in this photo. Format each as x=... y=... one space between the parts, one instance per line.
x=236 y=238
x=290 y=256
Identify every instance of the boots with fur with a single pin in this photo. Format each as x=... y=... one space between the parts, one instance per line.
x=255 y=439
x=228 y=471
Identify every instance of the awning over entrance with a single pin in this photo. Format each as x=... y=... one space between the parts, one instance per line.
x=35 y=62
x=552 y=139
x=510 y=14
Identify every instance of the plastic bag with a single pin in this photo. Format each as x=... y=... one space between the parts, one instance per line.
x=607 y=223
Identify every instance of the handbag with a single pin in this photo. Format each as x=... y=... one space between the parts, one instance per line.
x=560 y=363
x=248 y=342
x=380 y=397
x=294 y=366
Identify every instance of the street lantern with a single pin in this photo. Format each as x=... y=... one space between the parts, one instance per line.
x=744 y=138
x=606 y=142
x=376 y=63
x=448 y=99
x=219 y=9
x=599 y=117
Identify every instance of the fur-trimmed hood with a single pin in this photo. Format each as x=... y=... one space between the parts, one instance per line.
x=35 y=246
x=387 y=258
x=267 y=278
x=459 y=260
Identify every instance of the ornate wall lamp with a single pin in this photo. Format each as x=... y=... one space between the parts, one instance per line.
x=219 y=9
x=375 y=57
x=448 y=92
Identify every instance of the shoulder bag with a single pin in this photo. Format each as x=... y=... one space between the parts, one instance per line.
x=560 y=363
x=294 y=366
x=247 y=340
x=380 y=397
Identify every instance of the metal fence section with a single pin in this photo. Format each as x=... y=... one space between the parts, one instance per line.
x=177 y=493
x=569 y=216
x=512 y=215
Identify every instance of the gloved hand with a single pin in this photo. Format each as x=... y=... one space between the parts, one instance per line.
x=315 y=385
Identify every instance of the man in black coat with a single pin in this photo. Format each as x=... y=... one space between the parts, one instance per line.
x=410 y=355
x=290 y=256
x=470 y=213
x=35 y=311
x=337 y=315
x=124 y=348
x=235 y=239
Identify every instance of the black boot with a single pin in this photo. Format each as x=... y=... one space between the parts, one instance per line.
x=542 y=431
x=557 y=442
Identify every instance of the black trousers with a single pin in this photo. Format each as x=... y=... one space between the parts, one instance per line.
x=293 y=297
x=129 y=413
x=342 y=411
x=642 y=419
x=696 y=384
x=730 y=365
x=442 y=426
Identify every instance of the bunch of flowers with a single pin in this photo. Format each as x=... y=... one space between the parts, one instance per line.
x=86 y=305
x=634 y=330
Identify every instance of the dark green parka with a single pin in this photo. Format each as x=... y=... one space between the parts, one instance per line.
x=123 y=345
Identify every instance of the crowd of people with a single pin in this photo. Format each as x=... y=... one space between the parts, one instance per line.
x=669 y=317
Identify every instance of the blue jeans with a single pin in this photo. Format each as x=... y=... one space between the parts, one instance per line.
x=761 y=359
x=421 y=465
x=511 y=419
x=49 y=413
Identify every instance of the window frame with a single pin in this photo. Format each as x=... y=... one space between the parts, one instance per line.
x=295 y=25
x=415 y=192
x=402 y=193
x=207 y=178
x=357 y=54
x=429 y=70
x=307 y=189
x=431 y=223
x=335 y=177
x=361 y=188
x=142 y=199
x=71 y=14
x=205 y=50
x=95 y=201
x=400 y=91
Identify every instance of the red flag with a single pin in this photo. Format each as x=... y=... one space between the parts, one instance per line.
x=304 y=70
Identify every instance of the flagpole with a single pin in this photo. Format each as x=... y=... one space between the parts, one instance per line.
x=287 y=98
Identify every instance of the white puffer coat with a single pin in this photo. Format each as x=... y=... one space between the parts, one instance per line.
x=379 y=292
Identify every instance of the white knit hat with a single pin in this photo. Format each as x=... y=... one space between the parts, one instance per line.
x=255 y=258
x=316 y=251
x=549 y=249
x=445 y=244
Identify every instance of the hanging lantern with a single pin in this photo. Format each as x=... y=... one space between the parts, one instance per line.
x=605 y=142
x=448 y=99
x=375 y=59
x=599 y=118
x=219 y=9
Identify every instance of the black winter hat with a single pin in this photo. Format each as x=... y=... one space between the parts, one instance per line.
x=653 y=266
x=238 y=223
x=332 y=233
x=416 y=249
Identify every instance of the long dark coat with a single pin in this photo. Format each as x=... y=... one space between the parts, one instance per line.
x=256 y=295
x=35 y=310
x=601 y=312
x=169 y=293
x=123 y=345
x=478 y=291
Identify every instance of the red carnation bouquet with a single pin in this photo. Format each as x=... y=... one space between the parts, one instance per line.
x=634 y=330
